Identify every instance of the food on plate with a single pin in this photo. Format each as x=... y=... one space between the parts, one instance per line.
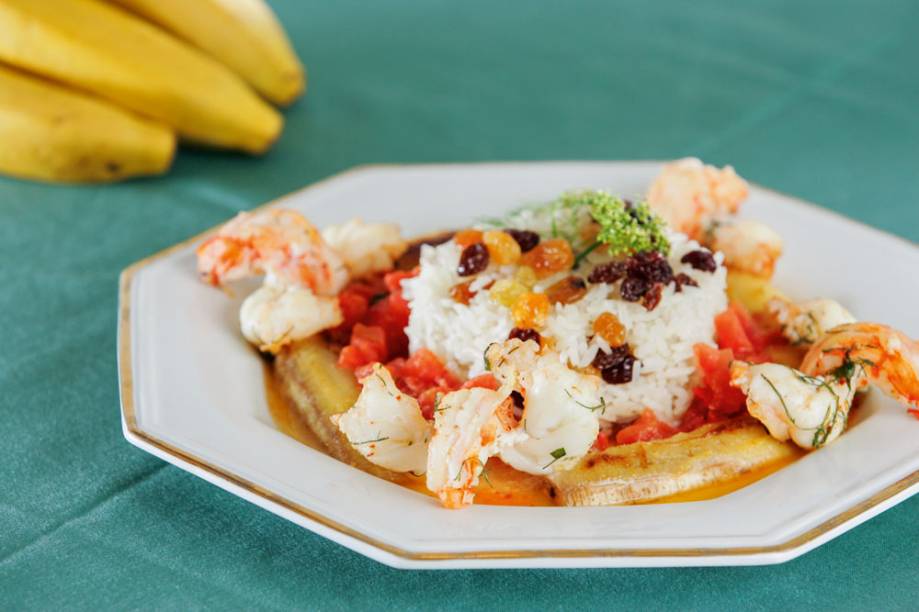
x=55 y=134
x=593 y=350
x=707 y=455
x=701 y=201
x=810 y=405
x=243 y=34
x=102 y=49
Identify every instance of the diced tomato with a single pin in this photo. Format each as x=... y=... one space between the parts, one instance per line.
x=730 y=334
x=393 y=324
x=427 y=401
x=354 y=301
x=738 y=330
x=368 y=345
x=353 y=306
x=697 y=415
x=604 y=439
x=716 y=391
x=375 y=302
x=426 y=366
x=913 y=411
x=485 y=381
x=391 y=313
x=758 y=335
x=646 y=427
x=350 y=357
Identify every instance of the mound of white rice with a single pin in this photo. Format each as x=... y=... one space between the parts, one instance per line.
x=661 y=339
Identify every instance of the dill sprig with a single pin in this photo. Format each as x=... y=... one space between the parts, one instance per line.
x=557 y=454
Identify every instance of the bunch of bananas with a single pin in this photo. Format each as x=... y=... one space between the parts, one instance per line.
x=96 y=90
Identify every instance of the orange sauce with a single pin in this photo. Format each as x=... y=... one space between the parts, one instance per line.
x=501 y=484
x=719 y=489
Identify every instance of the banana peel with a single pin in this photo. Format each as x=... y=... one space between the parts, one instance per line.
x=243 y=34
x=103 y=49
x=52 y=133
x=645 y=471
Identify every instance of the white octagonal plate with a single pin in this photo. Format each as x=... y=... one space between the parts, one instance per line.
x=192 y=393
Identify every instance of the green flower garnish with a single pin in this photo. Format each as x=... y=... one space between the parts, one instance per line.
x=626 y=229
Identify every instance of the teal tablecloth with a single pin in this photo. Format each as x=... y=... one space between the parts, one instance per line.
x=818 y=99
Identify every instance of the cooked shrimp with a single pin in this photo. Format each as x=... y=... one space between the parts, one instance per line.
x=470 y=425
x=887 y=358
x=366 y=247
x=807 y=322
x=810 y=411
x=275 y=315
x=385 y=425
x=748 y=246
x=688 y=194
x=811 y=406
x=281 y=242
x=561 y=407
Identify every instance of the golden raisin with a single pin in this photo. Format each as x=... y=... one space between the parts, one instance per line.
x=525 y=276
x=506 y=292
x=567 y=291
x=531 y=310
x=461 y=293
x=467 y=237
x=549 y=257
x=608 y=327
x=502 y=247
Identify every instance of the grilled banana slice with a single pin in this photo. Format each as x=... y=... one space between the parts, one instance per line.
x=310 y=379
x=645 y=471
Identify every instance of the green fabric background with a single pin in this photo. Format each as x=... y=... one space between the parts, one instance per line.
x=817 y=99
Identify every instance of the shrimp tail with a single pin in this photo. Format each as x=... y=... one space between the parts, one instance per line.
x=872 y=353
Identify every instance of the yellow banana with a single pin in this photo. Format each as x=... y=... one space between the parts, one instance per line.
x=49 y=132
x=243 y=34
x=106 y=50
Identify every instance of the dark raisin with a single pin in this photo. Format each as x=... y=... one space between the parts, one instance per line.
x=608 y=273
x=524 y=333
x=700 y=260
x=684 y=280
x=653 y=297
x=517 y=398
x=633 y=289
x=473 y=260
x=620 y=373
x=651 y=266
x=616 y=354
x=525 y=238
